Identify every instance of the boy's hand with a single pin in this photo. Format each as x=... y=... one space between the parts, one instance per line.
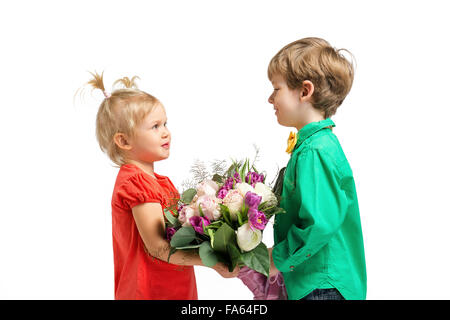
x=273 y=270
x=222 y=269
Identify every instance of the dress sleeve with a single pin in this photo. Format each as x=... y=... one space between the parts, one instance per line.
x=136 y=190
x=323 y=209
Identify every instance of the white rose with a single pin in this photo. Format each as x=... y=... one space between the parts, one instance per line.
x=233 y=201
x=265 y=192
x=243 y=188
x=247 y=238
x=208 y=188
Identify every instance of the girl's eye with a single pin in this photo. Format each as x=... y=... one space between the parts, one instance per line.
x=155 y=126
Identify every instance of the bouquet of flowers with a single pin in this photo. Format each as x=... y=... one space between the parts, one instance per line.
x=224 y=217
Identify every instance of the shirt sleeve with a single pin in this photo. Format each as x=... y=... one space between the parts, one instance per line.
x=322 y=211
x=136 y=190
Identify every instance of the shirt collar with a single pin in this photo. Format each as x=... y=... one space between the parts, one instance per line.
x=311 y=128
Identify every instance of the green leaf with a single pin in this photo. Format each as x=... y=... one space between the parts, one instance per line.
x=235 y=255
x=223 y=236
x=257 y=259
x=183 y=237
x=192 y=246
x=242 y=173
x=217 y=178
x=225 y=214
x=200 y=210
x=214 y=225
x=173 y=222
x=278 y=187
x=171 y=252
x=207 y=254
x=242 y=215
x=239 y=217
x=188 y=195
x=234 y=168
x=273 y=211
x=211 y=235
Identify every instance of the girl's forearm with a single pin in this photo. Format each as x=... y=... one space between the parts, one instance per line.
x=180 y=257
x=187 y=258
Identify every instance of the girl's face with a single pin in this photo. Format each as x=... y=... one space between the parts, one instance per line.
x=151 y=141
x=285 y=101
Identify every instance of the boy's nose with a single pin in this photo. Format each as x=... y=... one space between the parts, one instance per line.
x=271 y=99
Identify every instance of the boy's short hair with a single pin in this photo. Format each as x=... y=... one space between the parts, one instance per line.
x=314 y=59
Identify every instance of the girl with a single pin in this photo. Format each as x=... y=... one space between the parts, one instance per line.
x=132 y=130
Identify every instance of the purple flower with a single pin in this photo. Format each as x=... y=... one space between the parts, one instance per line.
x=198 y=222
x=253 y=178
x=222 y=193
x=170 y=232
x=228 y=185
x=256 y=219
x=252 y=200
x=237 y=177
x=181 y=205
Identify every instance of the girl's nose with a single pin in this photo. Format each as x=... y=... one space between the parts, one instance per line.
x=166 y=132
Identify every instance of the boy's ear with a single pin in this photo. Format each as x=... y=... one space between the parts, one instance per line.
x=306 y=91
x=122 y=141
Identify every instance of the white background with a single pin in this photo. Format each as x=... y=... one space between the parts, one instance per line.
x=207 y=61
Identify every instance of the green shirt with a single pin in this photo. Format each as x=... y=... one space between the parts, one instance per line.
x=318 y=242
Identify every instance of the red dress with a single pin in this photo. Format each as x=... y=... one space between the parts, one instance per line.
x=137 y=275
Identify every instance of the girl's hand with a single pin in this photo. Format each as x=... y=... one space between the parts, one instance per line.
x=222 y=269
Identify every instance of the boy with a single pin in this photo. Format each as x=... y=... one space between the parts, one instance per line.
x=318 y=242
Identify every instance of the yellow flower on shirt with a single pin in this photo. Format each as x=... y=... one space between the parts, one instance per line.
x=291 y=142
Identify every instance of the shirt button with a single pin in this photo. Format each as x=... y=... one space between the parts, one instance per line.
x=308 y=255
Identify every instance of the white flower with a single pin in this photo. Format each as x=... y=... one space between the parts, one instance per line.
x=266 y=193
x=185 y=214
x=210 y=207
x=247 y=238
x=243 y=188
x=208 y=188
x=233 y=201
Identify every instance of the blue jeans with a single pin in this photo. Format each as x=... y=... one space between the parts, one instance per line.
x=324 y=294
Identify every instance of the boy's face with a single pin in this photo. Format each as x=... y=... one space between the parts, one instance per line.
x=286 y=102
x=152 y=138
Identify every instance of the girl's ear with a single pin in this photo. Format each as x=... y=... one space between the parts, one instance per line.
x=122 y=141
x=306 y=91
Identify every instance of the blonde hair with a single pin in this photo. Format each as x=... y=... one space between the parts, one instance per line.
x=314 y=59
x=120 y=112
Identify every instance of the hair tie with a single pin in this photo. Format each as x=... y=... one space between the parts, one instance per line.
x=107 y=95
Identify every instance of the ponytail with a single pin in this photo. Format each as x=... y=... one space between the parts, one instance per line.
x=127 y=83
x=97 y=83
